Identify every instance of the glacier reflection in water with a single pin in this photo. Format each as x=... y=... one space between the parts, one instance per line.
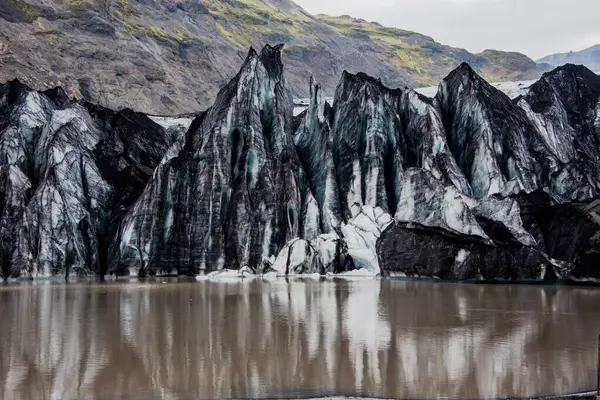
x=295 y=338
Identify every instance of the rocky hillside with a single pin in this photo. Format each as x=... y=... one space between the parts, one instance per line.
x=589 y=57
x=172 y=56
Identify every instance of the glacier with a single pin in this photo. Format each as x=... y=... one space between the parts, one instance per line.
x=69 y=169
x=468 y=184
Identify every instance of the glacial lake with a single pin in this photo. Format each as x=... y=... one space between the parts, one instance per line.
x=173 y=339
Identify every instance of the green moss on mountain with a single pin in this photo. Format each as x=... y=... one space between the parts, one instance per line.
x=172 y=56
x=19 y=11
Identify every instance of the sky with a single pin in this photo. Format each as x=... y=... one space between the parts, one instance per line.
x=533 y=27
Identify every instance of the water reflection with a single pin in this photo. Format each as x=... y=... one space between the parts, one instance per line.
x=273 y=339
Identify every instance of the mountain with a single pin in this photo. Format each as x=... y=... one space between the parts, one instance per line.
x=172 y=56
x=468 y=185
x=589 y=57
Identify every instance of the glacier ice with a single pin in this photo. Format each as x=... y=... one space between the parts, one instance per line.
x=67 y=171
x=314 y=145
x=487 y=137
x=469 y=185
x=563 y=108
x=525 y=161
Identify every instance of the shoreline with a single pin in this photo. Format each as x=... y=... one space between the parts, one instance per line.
x=272 y=278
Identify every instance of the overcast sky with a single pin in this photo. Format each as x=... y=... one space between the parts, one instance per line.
x=534 y=27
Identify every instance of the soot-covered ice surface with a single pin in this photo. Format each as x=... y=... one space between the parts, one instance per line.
x=468 y=185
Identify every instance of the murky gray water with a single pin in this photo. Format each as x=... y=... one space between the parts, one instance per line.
x=299 y=338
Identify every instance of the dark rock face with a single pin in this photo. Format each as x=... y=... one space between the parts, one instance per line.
x=469 y=186
x=567 y=232
x=418 y=251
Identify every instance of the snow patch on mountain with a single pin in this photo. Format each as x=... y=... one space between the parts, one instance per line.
x=511 y=89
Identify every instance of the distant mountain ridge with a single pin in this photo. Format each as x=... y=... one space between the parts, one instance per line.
x=172 y=56
x=589 y=57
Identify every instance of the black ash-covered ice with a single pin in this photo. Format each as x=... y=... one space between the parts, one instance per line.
x=468 y=185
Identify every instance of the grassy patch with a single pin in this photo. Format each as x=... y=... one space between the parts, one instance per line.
x=29 y=11
x=228 y=35
x=255 y=19
x=181 y=32
x=18 y=11
x=156 y=31
x=76 y=3
x=403 y=49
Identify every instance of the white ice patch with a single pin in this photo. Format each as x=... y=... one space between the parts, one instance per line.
x=247 y=272
x=266 y=245
x=171 y=153
x=487 y=179
x=32 y=116
x=552 y=130
x=271 y=275
x=359 y=274
x=597 y=120
x=425 y=201
x=18 y=178
x=457 y=215
x=172 y=122
x=74 y=116
x=330 y=202
x=372 y=184
x=511 y=89
x=326 y=247
x=311 y=221
x=291 y=256
x=12 y=146
x=461 y=257
x=226 y=274
x=508 y=213
x=354 y=197
x=361 y=235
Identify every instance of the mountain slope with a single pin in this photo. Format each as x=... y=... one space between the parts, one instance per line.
x=589 y=57
x=172 y=56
